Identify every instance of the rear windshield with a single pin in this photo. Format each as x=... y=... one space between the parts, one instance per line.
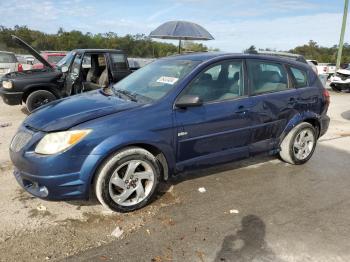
x=54 y=59
x=7 y=58
x=119 y=61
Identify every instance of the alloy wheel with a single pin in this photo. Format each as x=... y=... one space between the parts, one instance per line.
x=131 y=182
x=303 y=144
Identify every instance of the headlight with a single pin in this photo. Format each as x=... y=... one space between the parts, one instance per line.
x=57 y=142
x=7 y=84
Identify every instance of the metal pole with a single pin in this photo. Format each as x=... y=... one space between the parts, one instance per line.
x=180 y=46
x=341 y=40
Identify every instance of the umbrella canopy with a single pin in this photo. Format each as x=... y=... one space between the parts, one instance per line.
x=181 y=30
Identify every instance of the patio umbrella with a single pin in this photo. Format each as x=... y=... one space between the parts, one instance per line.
x=181 y=30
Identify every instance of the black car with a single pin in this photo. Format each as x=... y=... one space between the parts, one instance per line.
x=79 y=71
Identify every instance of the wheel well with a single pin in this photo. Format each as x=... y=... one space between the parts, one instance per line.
x=33 y=89
x=314 y=122
x=160 y=157
x=152 y=149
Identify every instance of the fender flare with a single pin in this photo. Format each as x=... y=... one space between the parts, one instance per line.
x=296 y=120
x=135 y=138
x=40 y=86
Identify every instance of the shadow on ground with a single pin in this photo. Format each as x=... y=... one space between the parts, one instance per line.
x=346 y=115
x=248 y=244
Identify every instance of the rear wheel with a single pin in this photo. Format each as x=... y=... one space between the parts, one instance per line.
x=128 y=180
x=299 y=145
x=39 y=98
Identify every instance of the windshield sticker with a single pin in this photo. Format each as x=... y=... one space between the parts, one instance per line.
x=167 y=80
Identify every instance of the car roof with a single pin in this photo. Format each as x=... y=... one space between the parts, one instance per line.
x=98 y=50
x=206 y=56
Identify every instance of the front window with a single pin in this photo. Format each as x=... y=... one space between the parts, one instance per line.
x=223 y=81
x=155 y=80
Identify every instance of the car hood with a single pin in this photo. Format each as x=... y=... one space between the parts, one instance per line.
x=68 y=112
x=31 y=50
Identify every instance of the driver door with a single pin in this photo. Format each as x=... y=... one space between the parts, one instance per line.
x=73 y=80
x=219 y=130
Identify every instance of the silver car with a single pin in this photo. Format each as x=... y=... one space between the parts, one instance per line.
x=8 y=63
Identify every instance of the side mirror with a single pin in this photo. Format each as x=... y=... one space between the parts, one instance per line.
x=64 y=69
x=188 y=101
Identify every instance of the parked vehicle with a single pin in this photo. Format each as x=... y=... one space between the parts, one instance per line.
x=331 y=69
x=26 y=61
x=341 y=80
x=53 y=57
x=79 y=71
x=175 y=114
x=9 y=63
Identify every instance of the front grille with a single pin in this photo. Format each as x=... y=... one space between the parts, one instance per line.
x=20 y=140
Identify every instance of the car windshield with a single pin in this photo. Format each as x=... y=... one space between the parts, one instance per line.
x=65 y=61
x=156 y=79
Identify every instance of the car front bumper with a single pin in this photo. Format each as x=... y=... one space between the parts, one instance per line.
x=64 y=176
x=11 y=98
x=340 y=83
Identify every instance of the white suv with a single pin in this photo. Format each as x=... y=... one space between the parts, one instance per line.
x=8 y=63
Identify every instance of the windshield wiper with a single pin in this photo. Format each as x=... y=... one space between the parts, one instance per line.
x=126 y=93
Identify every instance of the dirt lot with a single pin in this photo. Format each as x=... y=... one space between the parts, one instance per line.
x=299 y=213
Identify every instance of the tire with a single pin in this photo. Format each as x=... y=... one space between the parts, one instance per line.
x=301 y=138
x=123 y=191
x=39 y=98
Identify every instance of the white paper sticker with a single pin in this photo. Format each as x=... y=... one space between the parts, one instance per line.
x=167 y=80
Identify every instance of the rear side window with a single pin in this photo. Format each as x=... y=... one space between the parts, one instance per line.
x=7 y=58
x=266 y=77
x=118 y=61
x=300 y=78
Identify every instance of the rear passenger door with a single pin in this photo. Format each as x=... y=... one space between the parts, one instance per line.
x=309 y=94
x=274 y=102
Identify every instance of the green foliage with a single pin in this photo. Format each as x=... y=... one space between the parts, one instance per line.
x=135 y=45
x=322 y=54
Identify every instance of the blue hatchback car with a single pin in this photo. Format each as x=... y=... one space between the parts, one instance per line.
x=177 y=113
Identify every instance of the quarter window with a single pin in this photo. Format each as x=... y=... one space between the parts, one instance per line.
x=219 y=82
x=299 y=77
x=266 y=77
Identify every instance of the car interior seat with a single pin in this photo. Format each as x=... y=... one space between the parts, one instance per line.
x=93 y=73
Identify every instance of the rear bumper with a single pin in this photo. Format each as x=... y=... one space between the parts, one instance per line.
x=324 y=124
x=11 y=98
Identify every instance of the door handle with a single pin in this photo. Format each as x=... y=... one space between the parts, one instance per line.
x=292 y=101
x=241 y=110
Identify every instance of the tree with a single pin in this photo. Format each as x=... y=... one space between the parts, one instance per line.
x=251 y=50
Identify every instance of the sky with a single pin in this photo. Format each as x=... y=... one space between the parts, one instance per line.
x=235 y=24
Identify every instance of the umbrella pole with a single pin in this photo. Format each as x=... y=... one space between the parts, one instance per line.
x=180 y=46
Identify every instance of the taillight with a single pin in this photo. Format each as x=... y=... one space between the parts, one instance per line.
x=326 y=96
x=20 y=68
x=325 y=69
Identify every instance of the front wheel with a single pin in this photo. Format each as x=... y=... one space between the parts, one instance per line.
x=39 y=98
x=299 y=145
x=128 y=180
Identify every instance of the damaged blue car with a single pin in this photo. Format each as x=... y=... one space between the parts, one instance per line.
x=177 y=113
